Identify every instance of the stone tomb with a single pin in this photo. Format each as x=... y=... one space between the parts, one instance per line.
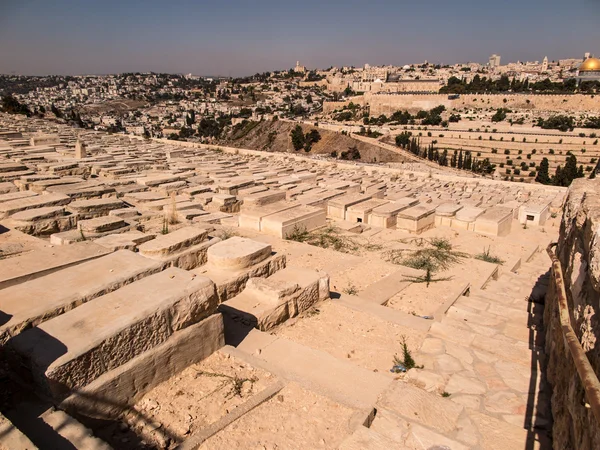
x=251 y=218
x=184 y=248
x=71 y=350
x=534 y=214
x=232 y=262
x=337 y=207
x=361 y=212
x=416 y=219
x=496 y=221
x=386 y=216
x=29 y=304
x=444 y=214
x=267 y=302
x=43 y=221
x=284 y=223
x=464 y=219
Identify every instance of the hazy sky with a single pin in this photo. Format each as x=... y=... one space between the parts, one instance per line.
x=244 y=37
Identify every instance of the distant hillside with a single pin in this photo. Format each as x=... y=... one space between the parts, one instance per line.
x=275 y=137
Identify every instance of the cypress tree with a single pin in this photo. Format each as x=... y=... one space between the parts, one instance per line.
x=543 y=176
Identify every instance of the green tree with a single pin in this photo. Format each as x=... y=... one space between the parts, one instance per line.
x=297 y=135
x=543 y=176
x=403 y=139
x=11 y=105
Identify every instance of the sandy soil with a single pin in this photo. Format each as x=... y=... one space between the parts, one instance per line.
x=293 y=419
x=361 y=338
x=194 y=399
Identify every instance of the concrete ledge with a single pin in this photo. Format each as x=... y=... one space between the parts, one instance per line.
x=444 y=307
x=383 y=312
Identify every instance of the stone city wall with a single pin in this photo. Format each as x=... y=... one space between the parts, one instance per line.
x=575 y=426
x=390 y=103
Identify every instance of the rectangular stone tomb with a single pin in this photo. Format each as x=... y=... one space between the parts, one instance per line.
x=35 y=264
x=29 y=304
x=100 y=226
x=267 y=302
x=73 y=349
x=251 y=218
x=263 y=198
x=386 y=215
x=362 y=211
x=300 y=218
x=444 y=214
x=496 y=221
x=534 y=213
x=11 y=207
x=416 y=219
x=43 y=221
x=128 y=240
x=184 y=248
x=336 y=207
x=464 y=219
x=89 y=209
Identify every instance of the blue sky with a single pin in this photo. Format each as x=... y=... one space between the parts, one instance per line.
x=244 y=37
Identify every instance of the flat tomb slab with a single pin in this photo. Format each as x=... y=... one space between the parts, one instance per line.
x=16 y=195
x=302 y=217
x=237 y=253
x=469 y=213
x=367 y=206
x=88 y=209
x=101 y=224
x=39 y=201
x=251 y=218
x=165 y=245
x=448 y=209
x=31 y=215
x=73 y=349
x=31 y=303
x=417 y=212
x=42 y=262
x=348 y=200
x=496 y=221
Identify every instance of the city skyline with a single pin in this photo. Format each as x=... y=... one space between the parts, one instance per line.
x=67 y=37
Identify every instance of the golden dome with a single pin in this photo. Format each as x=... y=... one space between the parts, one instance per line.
x=590 y=65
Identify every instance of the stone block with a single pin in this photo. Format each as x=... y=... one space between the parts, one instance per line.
x=302 y=217
x=29 y=304
x=89 y=209
x=268 y=302
x=73 y=349
x=237 y=253
x=112 y=392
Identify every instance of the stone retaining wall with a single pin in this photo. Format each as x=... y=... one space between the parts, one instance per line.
x=575 y=426
x=389 y=103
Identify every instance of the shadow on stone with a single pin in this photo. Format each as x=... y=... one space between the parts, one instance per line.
x=538 y=420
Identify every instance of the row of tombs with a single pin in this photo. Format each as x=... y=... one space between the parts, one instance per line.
x=94 y=330
x=119 y=221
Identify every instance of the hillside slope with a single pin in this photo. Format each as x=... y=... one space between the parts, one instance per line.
x=275 y=137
